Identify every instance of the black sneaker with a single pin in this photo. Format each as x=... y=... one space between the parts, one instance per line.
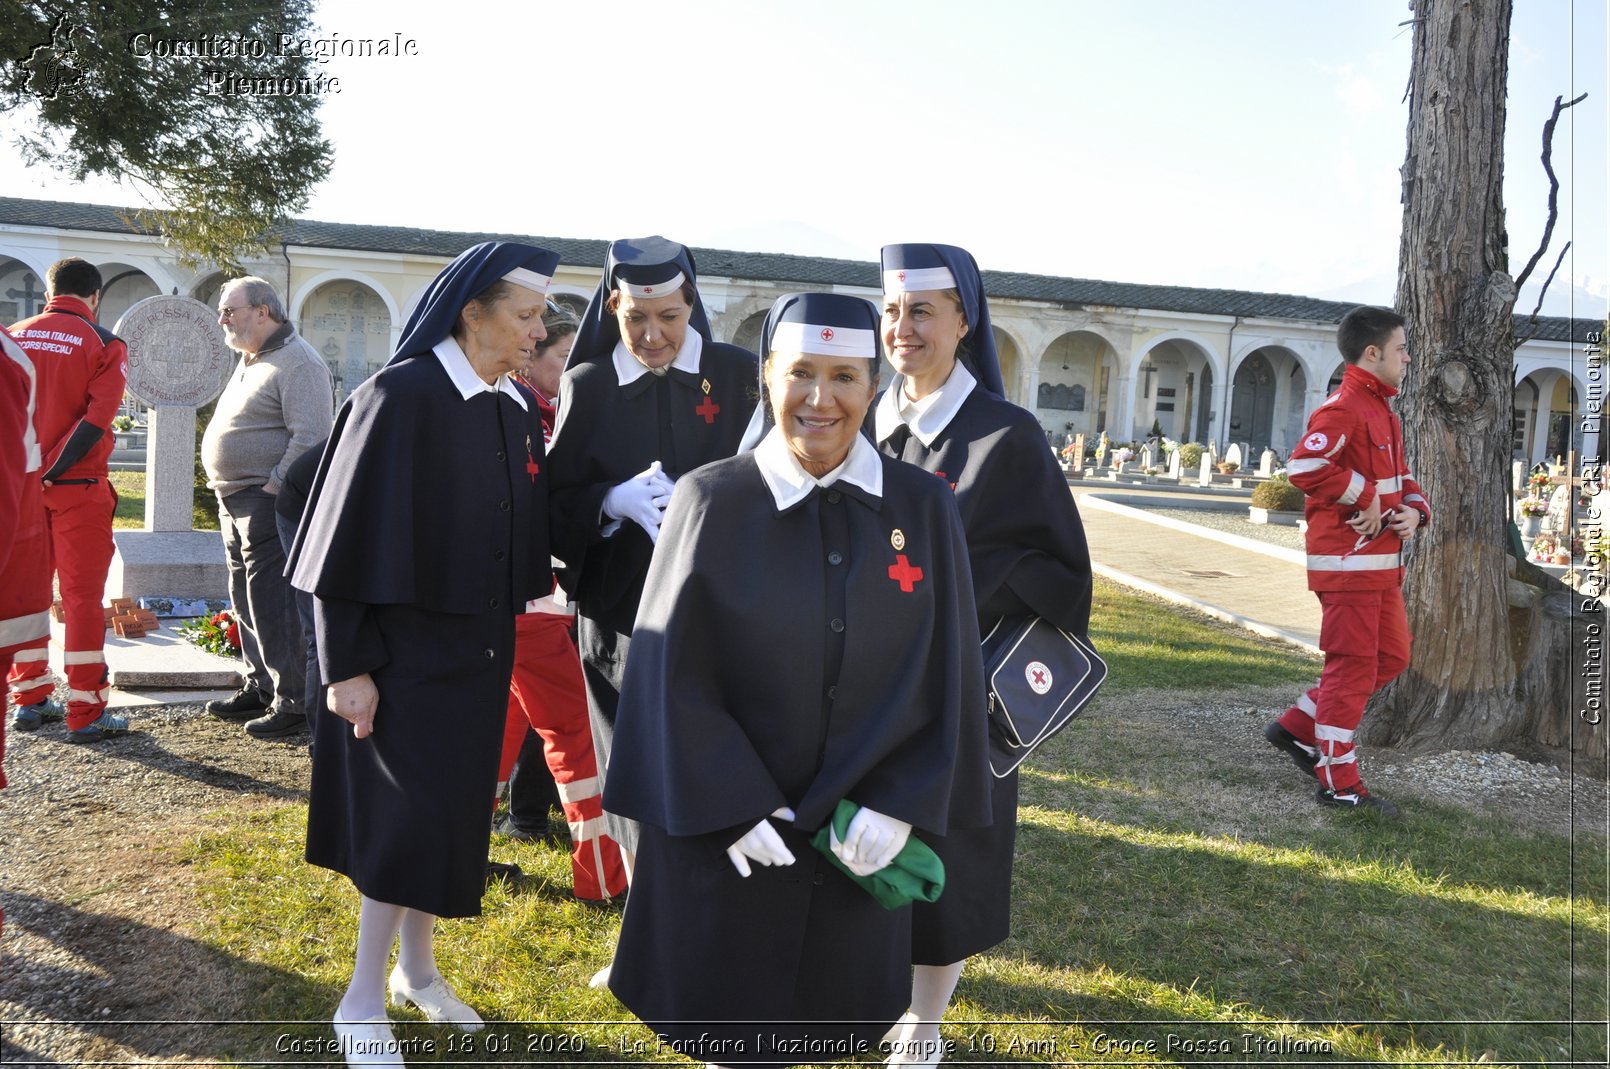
x=1305 y=757
x=1355 y=798
x=244 y=704
x=277 y=725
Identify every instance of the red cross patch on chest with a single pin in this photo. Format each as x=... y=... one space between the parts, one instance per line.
x=905 y=573
x=708 y=409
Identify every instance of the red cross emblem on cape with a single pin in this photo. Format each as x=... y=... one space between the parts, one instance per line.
x=708 y=409
x=903 y=572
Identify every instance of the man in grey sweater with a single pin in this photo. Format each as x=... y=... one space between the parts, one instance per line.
x=278 y=403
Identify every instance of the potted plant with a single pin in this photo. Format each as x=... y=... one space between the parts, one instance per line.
x=1276 y=500
x=1227 y=467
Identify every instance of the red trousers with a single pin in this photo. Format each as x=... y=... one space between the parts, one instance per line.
x=78 y=519
x=547 y=695
x=1365 y=636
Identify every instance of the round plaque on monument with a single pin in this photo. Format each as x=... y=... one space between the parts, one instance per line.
x=177 y=355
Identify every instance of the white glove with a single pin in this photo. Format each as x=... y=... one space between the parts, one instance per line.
x=871 y=841
x=641 y=499
x=762 y=845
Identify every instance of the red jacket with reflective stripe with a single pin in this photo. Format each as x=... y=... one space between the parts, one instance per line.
x=1351 y=454
x=82 y=369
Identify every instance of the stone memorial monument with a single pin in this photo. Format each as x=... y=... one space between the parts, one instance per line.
x=1233 y=455
x=177 y=362
x=1266 y=463
x=1175 y=464
x=1204 y=470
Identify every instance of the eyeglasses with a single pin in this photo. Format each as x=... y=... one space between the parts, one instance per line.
x=227 y=312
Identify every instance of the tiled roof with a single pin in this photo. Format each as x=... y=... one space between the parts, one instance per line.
x=766 y=266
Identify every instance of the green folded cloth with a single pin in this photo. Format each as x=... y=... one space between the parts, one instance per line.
x=915 y=875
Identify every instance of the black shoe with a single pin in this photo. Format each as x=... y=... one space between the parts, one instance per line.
x=510 y=830
x=244 y=704
x=277 y=725
x=1355 y=798
x=497 y=871
x=1306 y=757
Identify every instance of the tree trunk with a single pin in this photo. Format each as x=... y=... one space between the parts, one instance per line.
x=1455 y=291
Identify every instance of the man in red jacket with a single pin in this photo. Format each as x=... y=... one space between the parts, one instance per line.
x=81 y=369
x=1362 y=506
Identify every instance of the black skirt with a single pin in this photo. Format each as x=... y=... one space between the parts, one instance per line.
x=794 y=964
x=975 y=911
x=406 y=813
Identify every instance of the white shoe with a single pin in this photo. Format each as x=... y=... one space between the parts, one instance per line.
x=367 y=1042
x=912 y=1053
x=898 y=1029
x=600 y=980
x=436 y=1001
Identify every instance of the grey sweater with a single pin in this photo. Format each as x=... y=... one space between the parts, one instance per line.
x=277 y=404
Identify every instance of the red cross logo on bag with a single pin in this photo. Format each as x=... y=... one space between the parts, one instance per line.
x=1038 y=676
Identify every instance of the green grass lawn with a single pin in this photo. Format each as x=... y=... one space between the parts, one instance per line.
x=1167 y=910
x=130 y=487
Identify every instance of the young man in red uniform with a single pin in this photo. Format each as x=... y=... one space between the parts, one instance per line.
x=1362 y=506
x=81 y=369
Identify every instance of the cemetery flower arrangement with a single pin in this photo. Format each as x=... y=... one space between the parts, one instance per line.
x=1068 y=452
x=1538 y=483
x=218 y=633
x=1124 y=455
x=1532 y=505
x=1543 y=548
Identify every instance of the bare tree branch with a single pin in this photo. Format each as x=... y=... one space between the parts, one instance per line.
x=1531 y=324
x=1554 y=191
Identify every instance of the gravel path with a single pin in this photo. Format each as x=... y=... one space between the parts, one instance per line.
x=1232 y=521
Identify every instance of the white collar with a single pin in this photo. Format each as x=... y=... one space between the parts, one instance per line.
x=790 y=483
x=929 y=416
x=628 y=368
x=465 y=380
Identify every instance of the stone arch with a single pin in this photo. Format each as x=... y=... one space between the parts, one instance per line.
x=122 y=286
x=350 y=323
x=747 y=336
x=1548 y=415
x=1268 y=401
x=22 y=289
x=1174 y=380
x=1075 y=378
x=1009 y=354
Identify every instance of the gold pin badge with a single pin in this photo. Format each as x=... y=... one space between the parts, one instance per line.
x=706 y=385
x=897 y=539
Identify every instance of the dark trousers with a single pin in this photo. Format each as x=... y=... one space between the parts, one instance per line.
x=532 y=791
x=313 y=686
x=270 y=632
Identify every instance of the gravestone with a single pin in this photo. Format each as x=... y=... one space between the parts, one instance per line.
x=1204 y=470
x=1233 y=456
x=177 y=362
x=1146 y=458
x=1175 y=465
x=1266 y=463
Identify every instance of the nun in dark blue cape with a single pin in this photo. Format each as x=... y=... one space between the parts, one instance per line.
x=806 y=636
x=946 y=412
x=426 y=530
x=648 y=396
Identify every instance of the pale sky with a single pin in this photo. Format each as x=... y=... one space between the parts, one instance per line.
x=1249 y=145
